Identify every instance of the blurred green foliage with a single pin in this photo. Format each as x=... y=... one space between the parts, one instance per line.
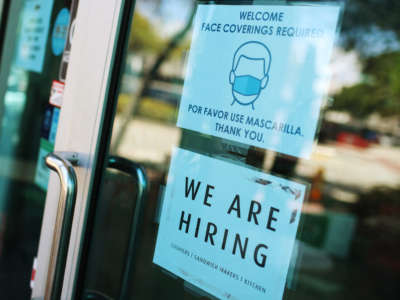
x=144 y=37
x=151 y=108
x=379 y=92
x=158 y=110
x=361 y=17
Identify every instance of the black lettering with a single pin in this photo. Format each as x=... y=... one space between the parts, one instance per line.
x=235 y=206
x=271 y=218
x=263 y=256
x=210 y=234
x=253 y=213
x=208 y=195
x=191 y=188
x=196 y=232
x=224 y=239
x=241 y=248
x=186 y=222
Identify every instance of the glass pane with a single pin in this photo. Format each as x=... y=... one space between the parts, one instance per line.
x=29 y=64
x=347 y=241
x=1 y=9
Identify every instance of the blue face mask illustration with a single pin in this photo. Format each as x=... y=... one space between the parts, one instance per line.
x=247 y=85
x=249 y=73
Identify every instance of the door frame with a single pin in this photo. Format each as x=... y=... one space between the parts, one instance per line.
x=85 y=120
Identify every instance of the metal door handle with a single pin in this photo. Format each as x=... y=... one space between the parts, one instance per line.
x=96 y=295
x=137 y=172
x=61 y=163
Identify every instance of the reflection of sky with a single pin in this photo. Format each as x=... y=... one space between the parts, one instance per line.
x=172 y=13
x=375 y=41
x=345 y=69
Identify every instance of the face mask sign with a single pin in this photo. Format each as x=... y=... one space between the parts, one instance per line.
x=274 y=80
x=249 y=73
x=247 y=85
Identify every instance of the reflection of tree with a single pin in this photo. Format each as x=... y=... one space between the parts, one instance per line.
x=371 y=26
x=363 y=21
x=363 y=16
x=150 y=75
x=378 y=93
x=143 y=37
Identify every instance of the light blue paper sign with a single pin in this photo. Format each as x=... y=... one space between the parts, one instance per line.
x=258 y=74
x=54 y=125
x=42 y=172
x=33 y=34
x=60 y=31
x=230 y=232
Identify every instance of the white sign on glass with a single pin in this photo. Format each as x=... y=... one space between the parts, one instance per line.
x=228 y=229
x=33 y=34
x=257 y=74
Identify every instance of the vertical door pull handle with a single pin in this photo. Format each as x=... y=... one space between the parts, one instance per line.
x=61 y=163
x=139 y=175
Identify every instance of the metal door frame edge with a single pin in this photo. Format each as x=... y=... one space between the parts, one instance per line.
x=81 y=116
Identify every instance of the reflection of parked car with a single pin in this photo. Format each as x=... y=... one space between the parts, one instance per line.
x=347 y=134
x=370 y=135
x=352 y=139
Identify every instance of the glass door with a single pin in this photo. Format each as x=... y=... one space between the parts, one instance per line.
x=93 y=55
x=249 y=153
x=33 y=34
x=181 y=219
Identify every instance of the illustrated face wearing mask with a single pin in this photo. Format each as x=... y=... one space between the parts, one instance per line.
x=249 y=75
